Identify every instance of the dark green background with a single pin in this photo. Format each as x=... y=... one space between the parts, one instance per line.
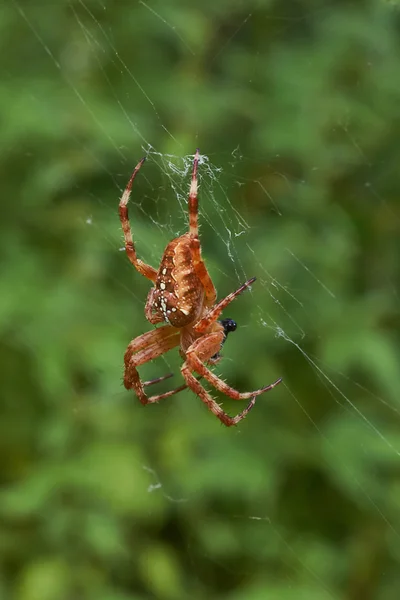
x=296 y=106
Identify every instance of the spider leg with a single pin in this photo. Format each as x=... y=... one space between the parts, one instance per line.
x=198 y=263
x=201 y=351
x=204 y=323
x=147 y=339
x=153 y=399
x=143 y=349
x=198 y=353
x=141 y=266
x=157 y=380
x=193 y=199
x=171 y=392
x=212 y=405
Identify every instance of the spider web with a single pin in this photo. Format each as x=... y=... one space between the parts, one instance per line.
x=284 y=309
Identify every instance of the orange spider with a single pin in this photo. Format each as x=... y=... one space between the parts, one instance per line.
x=184 y=297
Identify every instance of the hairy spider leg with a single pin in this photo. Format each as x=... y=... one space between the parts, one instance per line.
x=168 y=394
x=212 y=405
x=193 y=199
x=143 y=349
x=147 y=339
x=171 y=392
x=201 y=351
x=157 y=379
x=142 y=267
x=198 y=262
x=204 y=323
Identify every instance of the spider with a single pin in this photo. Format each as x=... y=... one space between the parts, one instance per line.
x=183 y=297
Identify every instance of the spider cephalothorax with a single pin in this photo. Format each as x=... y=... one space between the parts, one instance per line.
x=183 y=296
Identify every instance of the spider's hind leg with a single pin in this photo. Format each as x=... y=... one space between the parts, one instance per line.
x=212 y=404
x=144 y=349
x=201 y=351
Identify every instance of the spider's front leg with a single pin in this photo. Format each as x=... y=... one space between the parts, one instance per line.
x=201 y=351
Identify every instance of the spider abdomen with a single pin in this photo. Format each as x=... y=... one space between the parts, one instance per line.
x=179 y=293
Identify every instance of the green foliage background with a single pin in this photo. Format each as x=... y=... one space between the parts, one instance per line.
x=298 y=105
